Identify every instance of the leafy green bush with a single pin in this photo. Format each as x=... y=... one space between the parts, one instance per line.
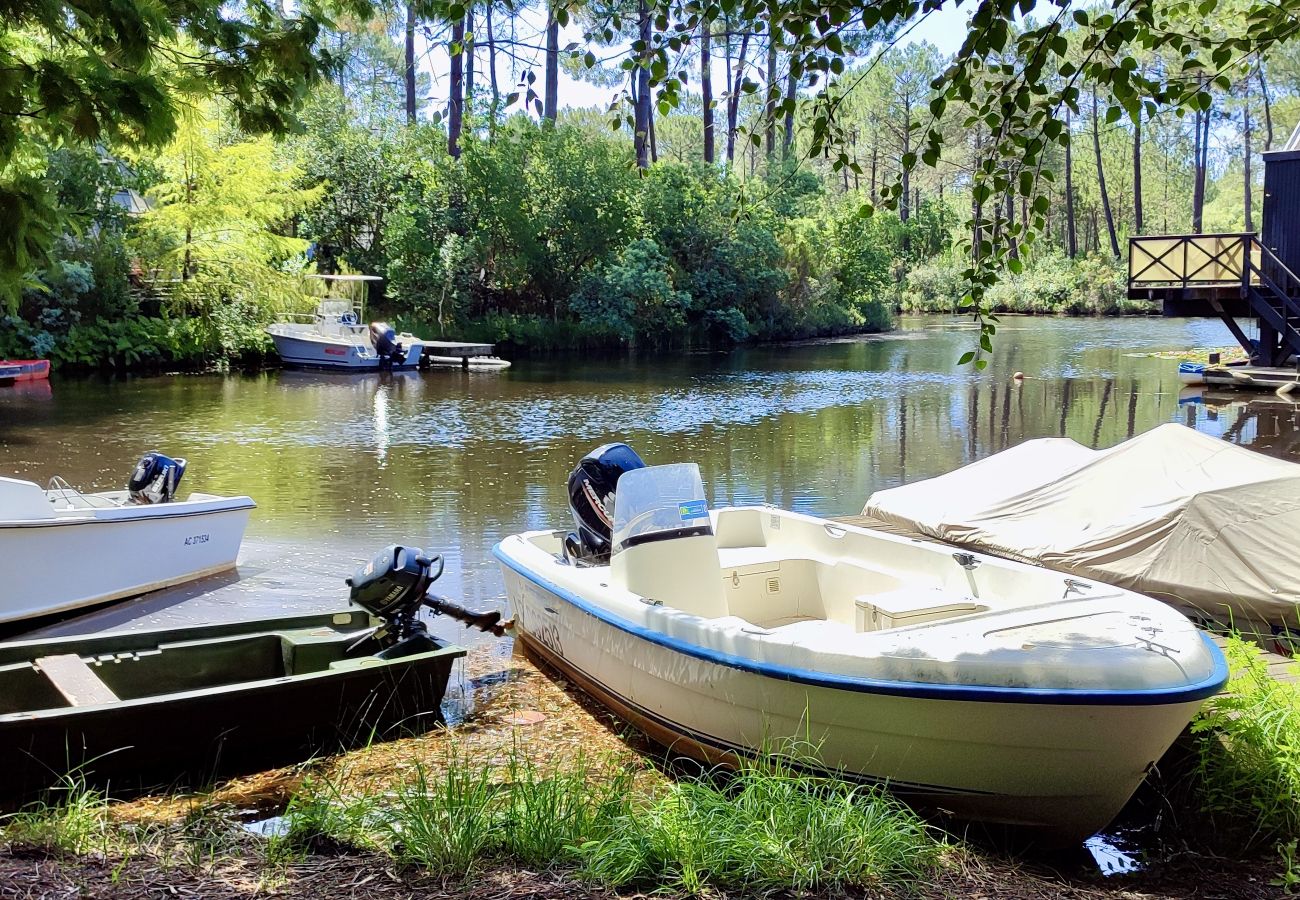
x=1248 y=753
x=1050 y=284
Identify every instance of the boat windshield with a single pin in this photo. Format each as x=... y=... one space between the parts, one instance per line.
x=659 y=502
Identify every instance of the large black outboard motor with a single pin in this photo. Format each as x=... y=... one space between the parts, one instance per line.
x=386 y=344
x=155 y=478
x=393 y=587
x=591 y=500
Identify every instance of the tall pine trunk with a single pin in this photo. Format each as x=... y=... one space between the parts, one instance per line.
x=410 y=63
x=1268 y=110
x=787 y=142
x=1245 y=116
x=551 y=103
x=1101 y=180
x=469 y=61
x=1071 y=225
x=733 y=102
x=456 y=100
x=641 y=109
x=1137 y=174
x=492 y=65
x=773 y=92
x=706 y=86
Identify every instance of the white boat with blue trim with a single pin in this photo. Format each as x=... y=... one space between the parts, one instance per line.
x=1000 y=691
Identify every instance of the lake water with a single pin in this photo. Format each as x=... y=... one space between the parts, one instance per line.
x=341 y=465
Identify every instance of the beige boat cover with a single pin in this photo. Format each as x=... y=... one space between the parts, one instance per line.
x=1190 y=519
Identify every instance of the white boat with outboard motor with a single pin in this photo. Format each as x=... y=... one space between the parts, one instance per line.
x=62 y=549
x=333 y=337
x=993 y=689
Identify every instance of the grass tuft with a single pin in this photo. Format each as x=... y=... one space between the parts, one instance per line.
x=1248 y=752
x=73 y=819
x=768 y=827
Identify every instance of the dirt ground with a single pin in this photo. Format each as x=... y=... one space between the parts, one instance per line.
x=514 y=708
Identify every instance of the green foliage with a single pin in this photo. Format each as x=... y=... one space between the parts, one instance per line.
x=1051 y=284
x=634 y=296
x=769 y=828
x=1248 y=753
x=118 y=75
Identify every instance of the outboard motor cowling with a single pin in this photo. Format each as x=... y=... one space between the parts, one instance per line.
x=385 y=341
x=155 y=478
x=592 y=487
x=393 y=587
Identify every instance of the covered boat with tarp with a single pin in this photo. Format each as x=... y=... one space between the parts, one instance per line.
x=1195 y=521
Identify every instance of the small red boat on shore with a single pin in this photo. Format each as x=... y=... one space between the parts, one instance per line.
x=15 y=370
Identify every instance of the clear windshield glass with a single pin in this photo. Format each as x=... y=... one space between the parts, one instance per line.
x=659 y=502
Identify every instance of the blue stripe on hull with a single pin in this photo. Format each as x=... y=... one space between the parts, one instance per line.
x=920 y=690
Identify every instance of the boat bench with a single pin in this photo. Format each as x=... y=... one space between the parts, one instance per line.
x=75 y=680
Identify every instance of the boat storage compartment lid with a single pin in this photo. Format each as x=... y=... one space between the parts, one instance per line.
x=910 y=606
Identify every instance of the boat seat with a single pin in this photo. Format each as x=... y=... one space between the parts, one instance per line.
x=75 y=680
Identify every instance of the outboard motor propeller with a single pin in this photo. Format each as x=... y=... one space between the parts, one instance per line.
x=155 y=478
x=386 y=344
x=393 y=587
x=592 y=488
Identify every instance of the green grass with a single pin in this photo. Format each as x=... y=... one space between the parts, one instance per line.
x=765 y=828
x=1248 y=753
x=72 y=819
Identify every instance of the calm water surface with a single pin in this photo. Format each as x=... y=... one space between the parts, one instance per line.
x=341 y=465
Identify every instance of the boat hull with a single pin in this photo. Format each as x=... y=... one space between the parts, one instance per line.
x=197 y=730
x=1054 y=767
x=317 y=353
x=61 y=564
x=13 y=371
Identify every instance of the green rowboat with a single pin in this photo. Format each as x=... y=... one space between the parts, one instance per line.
x=180 y=706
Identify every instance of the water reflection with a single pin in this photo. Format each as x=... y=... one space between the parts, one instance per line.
x=454 y=460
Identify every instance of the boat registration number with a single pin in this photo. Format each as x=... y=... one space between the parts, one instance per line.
x=196 y=539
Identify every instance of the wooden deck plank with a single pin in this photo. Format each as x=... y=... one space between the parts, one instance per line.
x=75 y=680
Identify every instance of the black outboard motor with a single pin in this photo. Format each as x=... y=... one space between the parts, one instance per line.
x=393 y=587
x=591 y=500
x=155 y=478
x=386 y=344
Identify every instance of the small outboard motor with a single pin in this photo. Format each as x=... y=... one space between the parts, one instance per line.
x=393 y=587
x=385 y=340
x=591 y=500
x=155 y=478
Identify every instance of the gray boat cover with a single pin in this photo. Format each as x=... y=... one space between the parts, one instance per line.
x=1187 y=518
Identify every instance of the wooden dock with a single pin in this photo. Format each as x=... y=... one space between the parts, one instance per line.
x=1256 y=377
x=462 y=350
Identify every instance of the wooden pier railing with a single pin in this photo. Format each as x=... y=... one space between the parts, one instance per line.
x=1194 y=260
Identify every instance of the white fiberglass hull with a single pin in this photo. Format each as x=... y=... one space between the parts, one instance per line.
x=313 y=351
x=1016 y=747
x=87 y=557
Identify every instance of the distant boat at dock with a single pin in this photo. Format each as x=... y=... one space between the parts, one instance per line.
x=336 y=337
